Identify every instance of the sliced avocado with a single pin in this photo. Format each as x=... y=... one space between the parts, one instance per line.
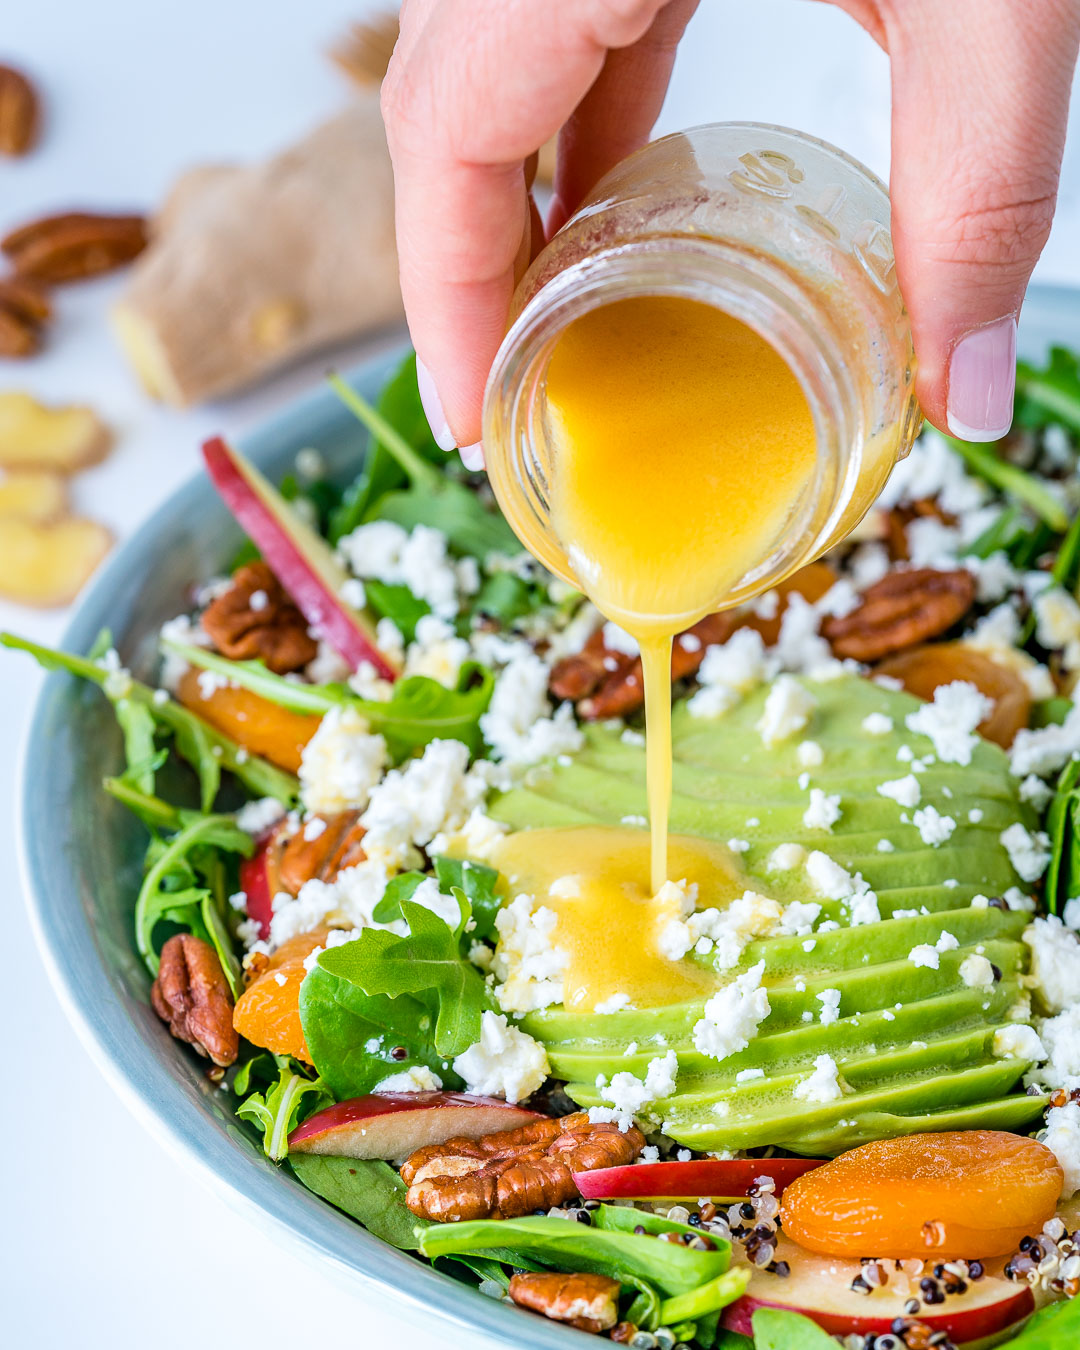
x=913 y=1045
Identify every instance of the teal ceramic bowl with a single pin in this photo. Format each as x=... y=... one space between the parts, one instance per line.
x=81 y=882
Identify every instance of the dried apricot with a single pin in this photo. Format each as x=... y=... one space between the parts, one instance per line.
x=261 y=727
x=923 y=669
x=268 y=1011
x=970 y=1193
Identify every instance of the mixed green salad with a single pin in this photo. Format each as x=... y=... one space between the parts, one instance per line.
x=381 y=688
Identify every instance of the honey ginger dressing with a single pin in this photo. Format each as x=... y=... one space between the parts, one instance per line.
x=683 y=441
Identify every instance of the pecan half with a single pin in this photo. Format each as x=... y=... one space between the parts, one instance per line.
x=75 y=245
x=19 y=112
x=900 y=611
x=337 y=846
x=588 y=1302
x=513 y=1172
x=900 y=517
x=192 y=995
x=24 y=308
x=255 y=620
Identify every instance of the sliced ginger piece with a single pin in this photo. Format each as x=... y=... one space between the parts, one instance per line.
x=45 y=565
x=38 y=497
x=34 y=436
x=922 y=669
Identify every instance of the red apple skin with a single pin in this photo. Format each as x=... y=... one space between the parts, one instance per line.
x=305 y=578
x=718 y=1178
x=394 y=1124
x=255 y=883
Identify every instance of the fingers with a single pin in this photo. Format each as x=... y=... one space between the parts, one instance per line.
x=619 y=111
x=477 y=86
x=980 y=103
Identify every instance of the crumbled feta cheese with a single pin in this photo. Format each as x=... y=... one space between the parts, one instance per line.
x=950 y=720
x=630 y=1096
x=437 y=651
x=788 y=708
x=729 y=671
x=313 y=828
x=519 y=725
x=341 y=763
x=259 y=816
x=864 y=909
x=617 y=639
x=823 y=811
x=934 y=828
x=418 y=1078
x=725 y=932
x=504 y=1062
x=977 y=972
x=1028 y=853
x=528 y=965
x=830 y=1006
x=749 y=1075
x=631 y=737
x=1046 y=749
x=616 y=1003
x=430 y=796
x=1035 y=791
x=786 y=857
x=867 y=564
x=1071 y=913
x=1055 y=962
x=799 y=918
x=444 y=907
x=337 y=937
x=947 y=942
x=418 y=559
x=835 y=883
x=904 y=791
x=477 y=838
x=1062 y=1138
x=732 y=1016
x=925 y=955
x=187 y=633
x=1058 y=624
x=877 y=724
x=823 y=1085
x=810 y=754
x=1060 y=1036
x=1018 y=1042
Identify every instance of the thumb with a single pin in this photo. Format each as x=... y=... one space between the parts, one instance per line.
x=980 y=105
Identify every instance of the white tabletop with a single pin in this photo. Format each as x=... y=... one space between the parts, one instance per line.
x=105 y=1240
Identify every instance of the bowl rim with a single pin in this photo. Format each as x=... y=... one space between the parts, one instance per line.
x=134 y=1065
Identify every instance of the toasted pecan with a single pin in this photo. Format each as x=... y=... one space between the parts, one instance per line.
x=513 y=1172
x=192 y=995
x=302 y=859
x=74 y=245
x=19 y=112
x=586 y=1301
x=24 y=308
x=900 y=517
x=255 y=620
x=901 y=610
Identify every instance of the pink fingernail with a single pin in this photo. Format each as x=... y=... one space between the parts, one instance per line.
x=432 y=405
x=982 y=381
x=472 y=456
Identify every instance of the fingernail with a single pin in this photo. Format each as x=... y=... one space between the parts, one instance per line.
x=432 y=405
x=472 y=456
x=982 y=381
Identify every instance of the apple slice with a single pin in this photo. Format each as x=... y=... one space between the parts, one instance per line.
x=819 y=1287
x=302 y=561
x=717 y=1178
x=394 y=1124
x=255 y=883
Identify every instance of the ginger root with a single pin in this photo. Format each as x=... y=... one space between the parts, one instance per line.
x=47 y=564
x=39 y=497
x=33 y=436
x=252 y=267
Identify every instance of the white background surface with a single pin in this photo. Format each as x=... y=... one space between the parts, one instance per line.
x=104 y=1239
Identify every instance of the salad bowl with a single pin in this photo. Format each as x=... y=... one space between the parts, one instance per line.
x=80 y=884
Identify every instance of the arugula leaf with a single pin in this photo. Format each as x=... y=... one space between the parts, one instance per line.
x=282 y=1107
x=206 y=749
x=1055 y=1327
x=396 y=603
x=401 y=887
x=707 y=1298
x=372 y=1193
x=777 y=1329
x=152 y=811
x=432 y=497
x=418 y=710
x=262 y=1064
x=137 y=725
x=1050 y=395
x=625 y=1256
x=478 y=883
x=1012 y=481
x=506 y=597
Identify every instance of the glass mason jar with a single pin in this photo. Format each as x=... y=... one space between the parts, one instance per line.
x=778 y=229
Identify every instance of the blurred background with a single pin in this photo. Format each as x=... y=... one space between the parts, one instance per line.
x=111 y=1242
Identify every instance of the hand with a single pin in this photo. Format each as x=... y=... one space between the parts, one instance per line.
x=980 y=91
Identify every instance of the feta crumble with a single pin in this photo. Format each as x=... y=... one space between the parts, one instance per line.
x=1055 y=962
x=527 y=964
x=1018 y=1041
x=877 y=724
x=977 y=972
x=418 y=1078
x=1028 y=853
x=934 y=828
x=1062 y=1138
x=823 y=811
x=788 y=708
x=732 y=1016
x=950 y=720
x=504 y=1062
x=341 y=763
x=823 y=1085
x=905 y=791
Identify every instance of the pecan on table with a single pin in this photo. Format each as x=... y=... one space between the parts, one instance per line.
x=900 y=611
x=610 y=684
x=73 y=246
x=19 y=112
x=339 y=844
x=254 y=620
x=192 y=995
x=513 y=1172
x=588 y=1302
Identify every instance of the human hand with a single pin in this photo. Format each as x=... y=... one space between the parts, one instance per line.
x=980 y=101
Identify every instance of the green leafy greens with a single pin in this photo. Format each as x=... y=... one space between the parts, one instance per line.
x=283 y=1105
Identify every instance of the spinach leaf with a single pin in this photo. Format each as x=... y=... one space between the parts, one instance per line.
x=372 y=1193
x=506 y=597
x=624 y=1256
x=731 y=1340
x=1055 y=1327
x=341 y=1022
x=396 y=603
x=206 y=749
x=777 y=1329
x=282 y=1107
x=706 y=1299
x=1063 y=827
x=478 y=883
